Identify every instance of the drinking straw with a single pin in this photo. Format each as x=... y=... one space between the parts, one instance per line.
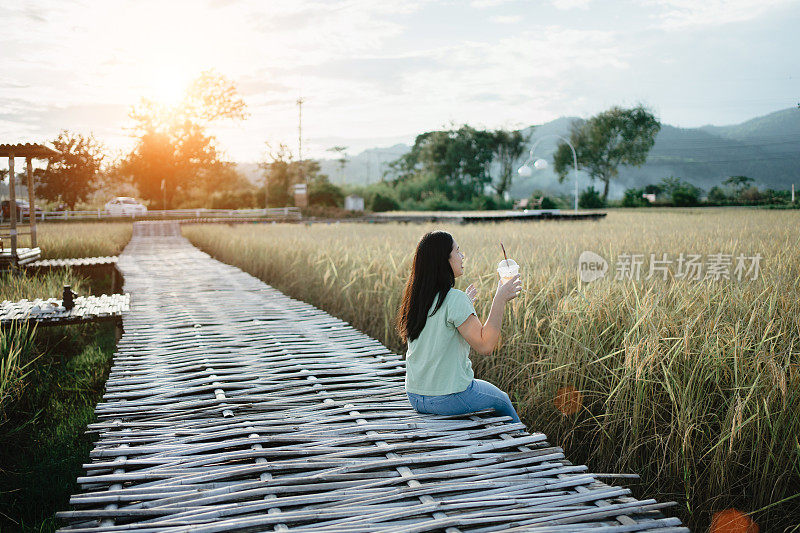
x=504 y=251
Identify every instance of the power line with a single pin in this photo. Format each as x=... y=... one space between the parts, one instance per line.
x=300 y=138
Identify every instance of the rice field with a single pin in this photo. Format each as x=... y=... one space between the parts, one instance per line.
x=50 y=380
x=692 y=384
x=57 y=240
x=82 y=239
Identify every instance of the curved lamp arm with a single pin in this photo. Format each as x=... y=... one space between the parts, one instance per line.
x=525 y=169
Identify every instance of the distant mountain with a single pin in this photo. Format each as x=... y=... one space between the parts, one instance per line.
x=766 y=149
x=364 y=168
x=777 y=126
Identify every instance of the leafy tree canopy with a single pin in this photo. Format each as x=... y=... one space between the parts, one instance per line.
x=281 y=172
x=604 y=142
x=740 y=183
x=173 y=148
x=459 y=161
x=70 y=176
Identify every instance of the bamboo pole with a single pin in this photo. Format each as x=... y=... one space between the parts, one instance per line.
x=31 y=199
x=12 y=207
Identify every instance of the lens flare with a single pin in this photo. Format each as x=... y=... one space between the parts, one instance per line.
x=732 y=521
x=568 y=400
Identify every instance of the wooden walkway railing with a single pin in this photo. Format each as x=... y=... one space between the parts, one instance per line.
x=231 y=407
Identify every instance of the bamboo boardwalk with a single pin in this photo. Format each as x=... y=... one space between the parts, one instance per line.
x=232 y=407
x=51 y=312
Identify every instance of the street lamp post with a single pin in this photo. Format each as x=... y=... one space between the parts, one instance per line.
x=539 y=164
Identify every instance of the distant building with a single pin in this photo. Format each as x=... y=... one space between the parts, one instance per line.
x=354 y=203
x=649 y=197
x=300 y=195
x=521 y=204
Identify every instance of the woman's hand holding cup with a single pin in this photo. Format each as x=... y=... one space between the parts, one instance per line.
x=509 y=290
x=510 y=285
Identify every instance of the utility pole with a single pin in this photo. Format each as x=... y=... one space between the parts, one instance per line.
x=300 y=139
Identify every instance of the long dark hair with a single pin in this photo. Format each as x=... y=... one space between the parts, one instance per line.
x=431 y=275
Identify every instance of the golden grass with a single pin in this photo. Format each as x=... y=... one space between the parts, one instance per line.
x=693 y=385
x=57 y=240
x=82 y=239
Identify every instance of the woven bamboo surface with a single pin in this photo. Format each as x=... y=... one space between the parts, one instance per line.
x=51 y=312
x=24 y=256
x=75 y=262
x=232 y=407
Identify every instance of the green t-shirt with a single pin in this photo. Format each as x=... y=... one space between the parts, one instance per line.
x=437 y=362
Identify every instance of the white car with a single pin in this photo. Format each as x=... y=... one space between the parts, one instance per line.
x=123 y=206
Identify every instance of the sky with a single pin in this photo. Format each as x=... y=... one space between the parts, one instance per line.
x=376 y=72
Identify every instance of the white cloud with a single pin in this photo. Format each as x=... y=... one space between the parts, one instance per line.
x=506 y=19
x=517 y=78
x=570 y=4
x=683 y=14
x=482 y=4
x=368 y=68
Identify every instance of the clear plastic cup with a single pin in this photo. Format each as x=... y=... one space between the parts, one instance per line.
x=507 y=268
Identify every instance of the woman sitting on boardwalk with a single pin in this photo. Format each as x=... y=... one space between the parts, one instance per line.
x=439 y=377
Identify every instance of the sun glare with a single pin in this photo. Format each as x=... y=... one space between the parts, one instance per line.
x=168 y=87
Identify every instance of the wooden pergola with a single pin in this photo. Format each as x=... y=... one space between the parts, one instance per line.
x=30 y=152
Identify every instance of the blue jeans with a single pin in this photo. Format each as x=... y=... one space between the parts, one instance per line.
x=478 y=396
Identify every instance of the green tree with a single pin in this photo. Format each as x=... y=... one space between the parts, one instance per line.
x=221 y=187
x=508 y=147
x=172 y=147
x=739 y=183
x=681 y=193
x=280 y=173
x=71 y=176
x=652 y=189
x=323 y=192
x=604 y=142
x=458 y=161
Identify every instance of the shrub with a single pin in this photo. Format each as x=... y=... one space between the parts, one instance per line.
x=717 y=195
x=681 y=193
x=485 y=203
x=548 y=203
x=439 y=202
x=633 y=198
x=323 y=192
x=590 y=199
x=773 y=197
x=686 y=195
x=750 y=196
x=383 y=202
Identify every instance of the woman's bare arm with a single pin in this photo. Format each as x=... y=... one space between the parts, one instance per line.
x=483 y=338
